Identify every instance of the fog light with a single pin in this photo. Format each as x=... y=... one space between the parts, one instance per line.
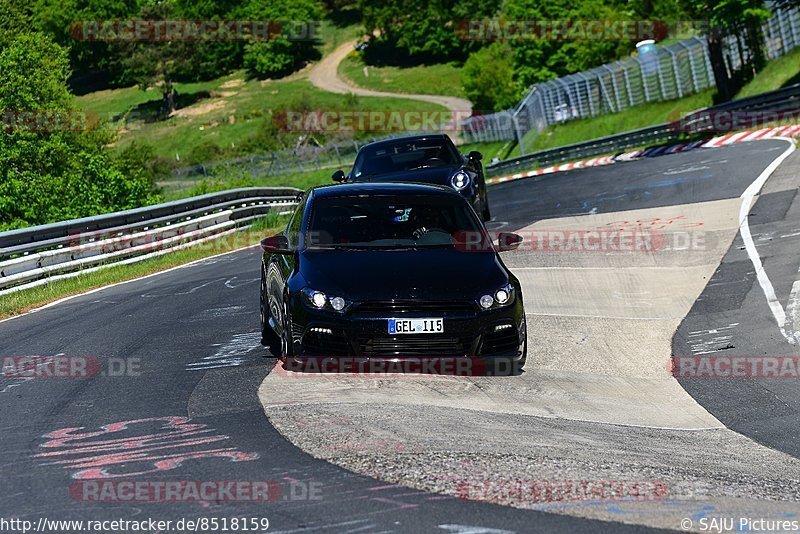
x=319 y=330
x=502 y=327
x=337 y=303
x=486 y=301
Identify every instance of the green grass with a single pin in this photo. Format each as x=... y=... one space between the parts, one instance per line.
x=439 y=79
x=176 y=189
x=226 y=114
x=778 y=73
x=490 y=150
x=638 y=117
x=25 y=300
x=342 y=27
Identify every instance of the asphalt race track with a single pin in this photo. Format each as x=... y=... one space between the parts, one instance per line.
x=191 y=383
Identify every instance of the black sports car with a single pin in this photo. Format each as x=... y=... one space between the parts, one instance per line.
x=386 y=271
x=430 y=159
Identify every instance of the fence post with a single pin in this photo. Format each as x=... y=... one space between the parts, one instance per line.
x=692 y=67
x=627 y=83
x=644 y=81
x=706 y=60
x=677 y=74
x=614 y=86
x=790 y=15
x=515 y=122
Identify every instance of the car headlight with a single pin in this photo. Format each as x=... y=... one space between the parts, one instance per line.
x=320 y=301
x=460 y=180
x=502 y=297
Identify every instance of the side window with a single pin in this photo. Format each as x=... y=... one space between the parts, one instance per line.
x=295 y=225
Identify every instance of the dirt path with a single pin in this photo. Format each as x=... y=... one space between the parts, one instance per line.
x=325 y=75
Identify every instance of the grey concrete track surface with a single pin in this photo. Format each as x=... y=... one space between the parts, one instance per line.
x=597 y=401
x=190 y=338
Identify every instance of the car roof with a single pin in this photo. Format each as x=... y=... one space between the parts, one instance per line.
x=423 y=137
x=381 y=188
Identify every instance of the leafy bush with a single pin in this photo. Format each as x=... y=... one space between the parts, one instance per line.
x=51 y=174
x=287 y=51
x=488 y=78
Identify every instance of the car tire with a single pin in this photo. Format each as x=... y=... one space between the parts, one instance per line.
x=487 y=215
x=287 y=346
x=268 y=336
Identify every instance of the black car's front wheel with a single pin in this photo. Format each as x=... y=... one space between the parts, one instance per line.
x=268 y=336
x=487 y=215
x=287 y=345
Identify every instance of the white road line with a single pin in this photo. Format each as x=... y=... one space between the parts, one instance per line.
x=744 y=228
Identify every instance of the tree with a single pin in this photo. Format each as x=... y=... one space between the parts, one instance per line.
x=52 y=170
x=285 y=52
x=160 y=63
x=741 y=19
x=488 y=78
x=422 y=29
x=14 y=16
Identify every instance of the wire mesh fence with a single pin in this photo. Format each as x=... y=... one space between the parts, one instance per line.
x=665 y=73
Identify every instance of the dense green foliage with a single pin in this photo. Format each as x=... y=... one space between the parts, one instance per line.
x=50 y=172
x=123 y=63
x=489 y=78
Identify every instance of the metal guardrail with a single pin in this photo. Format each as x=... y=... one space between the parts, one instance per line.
x=781 y=101
x=36 y=255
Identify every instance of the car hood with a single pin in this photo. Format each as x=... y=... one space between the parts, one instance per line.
x=430 y=175
x=436 y=274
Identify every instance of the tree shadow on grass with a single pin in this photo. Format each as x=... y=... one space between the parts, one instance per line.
x=344 y=17
x=792 y=81
x=156 y=110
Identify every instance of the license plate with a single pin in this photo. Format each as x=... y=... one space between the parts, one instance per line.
x=416 y=326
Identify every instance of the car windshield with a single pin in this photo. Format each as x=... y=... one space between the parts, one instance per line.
x=402 y=156
x=390 y=222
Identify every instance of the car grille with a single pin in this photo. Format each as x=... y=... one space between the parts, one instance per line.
x=326 y=344
x=393 y=306
x=414 y=345
x=500 y=342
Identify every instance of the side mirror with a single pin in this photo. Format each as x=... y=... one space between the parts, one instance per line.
x=475 y=155
x=277 y=244
x=507 y=241
x=338 y=176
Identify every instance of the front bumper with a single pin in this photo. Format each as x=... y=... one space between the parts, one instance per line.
x=362 y=332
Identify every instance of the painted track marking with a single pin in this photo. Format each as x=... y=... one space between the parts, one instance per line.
x=787 y=331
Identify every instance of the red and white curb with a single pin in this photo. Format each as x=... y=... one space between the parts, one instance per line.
x=738 y=137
